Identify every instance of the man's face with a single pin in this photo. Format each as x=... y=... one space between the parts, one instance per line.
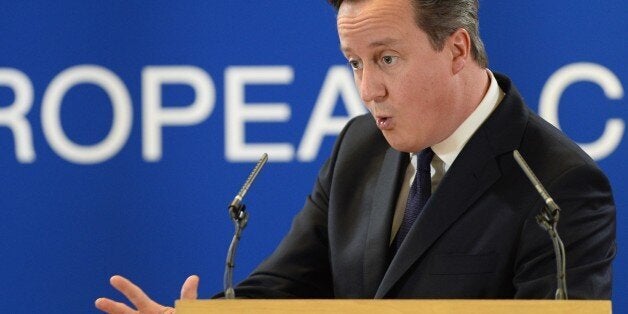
x=406 y=85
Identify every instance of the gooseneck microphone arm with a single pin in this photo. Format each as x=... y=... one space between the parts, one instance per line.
x=548 y=220
x=237 y=212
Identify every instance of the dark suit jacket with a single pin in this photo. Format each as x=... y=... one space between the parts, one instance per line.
x=477 y=236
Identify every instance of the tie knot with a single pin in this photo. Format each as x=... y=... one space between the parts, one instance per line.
x=424 y=159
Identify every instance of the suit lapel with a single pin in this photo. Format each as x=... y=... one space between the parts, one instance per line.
x=467 y=179
x=470 y=176
x=384 y=201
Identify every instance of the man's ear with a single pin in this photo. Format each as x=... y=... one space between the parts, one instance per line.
x=459 y=43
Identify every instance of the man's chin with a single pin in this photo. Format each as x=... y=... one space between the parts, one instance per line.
x=399 y=144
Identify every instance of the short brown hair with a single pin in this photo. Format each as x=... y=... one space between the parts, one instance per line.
x=441 y=18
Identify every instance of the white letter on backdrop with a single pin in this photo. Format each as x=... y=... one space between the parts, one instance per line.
x=14 y=116
x=51 y=114
x=590 y=72
x=154 y=116
x=237 y=112
x=338 y=82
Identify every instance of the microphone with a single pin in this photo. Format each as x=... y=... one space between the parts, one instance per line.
x=548 y=220
x=237 y=212
x=554 y=210
x=236 y=207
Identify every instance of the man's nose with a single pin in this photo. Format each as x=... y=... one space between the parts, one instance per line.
x=371 y=86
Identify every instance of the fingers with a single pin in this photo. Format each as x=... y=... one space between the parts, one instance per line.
x=112 y=307
x=131 y=291
x=189 y=291
x=143 y=303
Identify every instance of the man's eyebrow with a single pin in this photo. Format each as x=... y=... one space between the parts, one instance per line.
x=382 y=42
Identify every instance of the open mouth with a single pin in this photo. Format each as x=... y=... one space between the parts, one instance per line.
x=383 y=123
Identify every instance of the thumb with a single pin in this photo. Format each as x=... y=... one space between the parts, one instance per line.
x=189 y=290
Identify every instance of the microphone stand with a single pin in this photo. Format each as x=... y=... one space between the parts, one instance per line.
x=239 y=223
x=237 y=212
x=548 y=220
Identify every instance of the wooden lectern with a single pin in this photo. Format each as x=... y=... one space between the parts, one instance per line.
x=394 y=306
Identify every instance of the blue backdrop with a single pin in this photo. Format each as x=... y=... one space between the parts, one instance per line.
x=126 y=128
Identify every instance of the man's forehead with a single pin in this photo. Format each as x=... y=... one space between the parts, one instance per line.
x=369 y=14
x=352 y=3
x=356 y=7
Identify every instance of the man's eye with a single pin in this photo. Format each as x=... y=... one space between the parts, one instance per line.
x=354 y=64
x=389 y=59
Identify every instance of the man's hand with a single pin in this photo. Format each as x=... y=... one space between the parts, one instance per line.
x=142 y=302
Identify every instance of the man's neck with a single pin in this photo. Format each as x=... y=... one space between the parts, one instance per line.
x=477 y=82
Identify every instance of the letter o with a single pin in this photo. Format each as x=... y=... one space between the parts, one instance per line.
x=51 y=114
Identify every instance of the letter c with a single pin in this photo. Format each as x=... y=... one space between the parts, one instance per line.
x=591 y=72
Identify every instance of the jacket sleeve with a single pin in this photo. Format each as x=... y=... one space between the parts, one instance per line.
x=587 y=228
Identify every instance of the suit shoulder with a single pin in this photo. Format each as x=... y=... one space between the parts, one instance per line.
x=552 y=144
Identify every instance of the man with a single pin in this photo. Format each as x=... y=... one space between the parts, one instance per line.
x=421 y=70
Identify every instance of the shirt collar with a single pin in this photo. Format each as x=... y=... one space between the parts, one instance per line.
x=448 y=150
